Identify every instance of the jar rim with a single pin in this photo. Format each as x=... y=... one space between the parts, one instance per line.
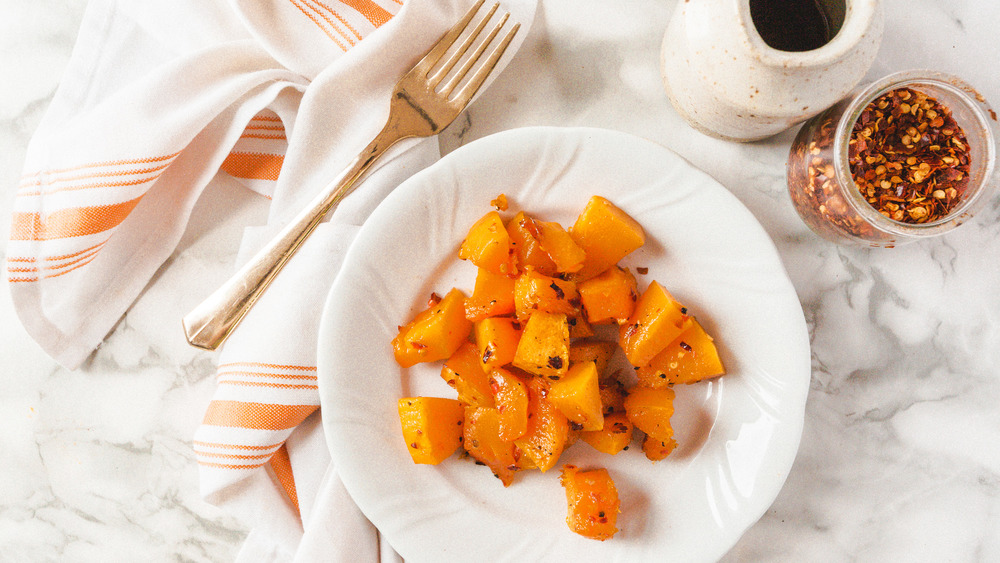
x=977 y=108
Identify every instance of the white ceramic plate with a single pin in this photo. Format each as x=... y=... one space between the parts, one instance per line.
x=737 y=435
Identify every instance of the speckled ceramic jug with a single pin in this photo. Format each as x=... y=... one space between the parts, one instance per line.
x=727 y=81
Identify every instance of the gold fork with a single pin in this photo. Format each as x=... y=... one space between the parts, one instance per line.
x=422 y=105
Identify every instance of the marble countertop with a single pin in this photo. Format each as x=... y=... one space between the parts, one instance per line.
x=898 y=459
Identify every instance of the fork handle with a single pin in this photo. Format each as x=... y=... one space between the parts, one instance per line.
x=211 y=322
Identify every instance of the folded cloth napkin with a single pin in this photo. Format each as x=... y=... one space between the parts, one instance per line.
x=162 y=97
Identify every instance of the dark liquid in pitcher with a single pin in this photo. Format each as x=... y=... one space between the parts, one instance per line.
x=791 y=25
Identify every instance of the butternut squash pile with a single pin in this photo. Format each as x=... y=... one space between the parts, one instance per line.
x=530 y=376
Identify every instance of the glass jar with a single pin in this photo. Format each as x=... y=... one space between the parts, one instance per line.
x=823 y=189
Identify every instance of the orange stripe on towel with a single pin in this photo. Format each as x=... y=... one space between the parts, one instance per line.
x=276 y=375
x=265 y=127
x=116 y=174
x=372 y=12
x=270 y=136
x=230 y=465
x=149 y=160
x=72 y=222
x=269 y=384
x=235 y=446
x=61 y=264
x=62 y=271
x=266 y=365
x=74 y=254
x=340 y=19
x=24 y=192
x=257 y=457
x=328 y=33
x=253 y=166
x=257 y=416
x=282 y=466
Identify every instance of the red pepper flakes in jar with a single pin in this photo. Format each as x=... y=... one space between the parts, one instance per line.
x=908 y=157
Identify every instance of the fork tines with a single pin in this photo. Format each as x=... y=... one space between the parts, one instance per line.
x=454 y=46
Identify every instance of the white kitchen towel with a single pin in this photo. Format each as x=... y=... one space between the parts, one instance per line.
x=162 y=96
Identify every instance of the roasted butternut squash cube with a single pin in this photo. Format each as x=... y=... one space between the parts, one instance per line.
x=690 y=358
x=523 y=461
x=561 y=248
x=592 y=500
x=433 y=334
x=482 y=440
x=493 y=296
x=511 y=397
x=548 y=429
x=464 y=372
x=650 y=411
x=612 y=396
x=488 y=246
x=544 y=346
x=432 y=427
x=656 y=450
x=537 y=292
x=497 y=339
x=597 y=351
x=573 y=436
x=609 y=297
x=524 y=238
x=579 y=327
x=657 y=320
x=606 y=234
x=613 y=437
x=577 y=395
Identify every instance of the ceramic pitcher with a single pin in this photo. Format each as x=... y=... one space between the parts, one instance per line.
x=746 y=69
